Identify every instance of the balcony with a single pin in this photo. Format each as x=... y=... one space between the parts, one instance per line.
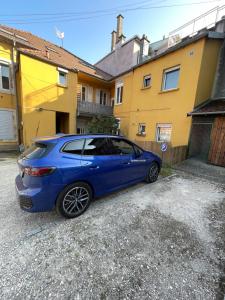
x=85 y=108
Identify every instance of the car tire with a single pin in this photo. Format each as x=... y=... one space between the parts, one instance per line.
x=74 y=200
x=153 y=172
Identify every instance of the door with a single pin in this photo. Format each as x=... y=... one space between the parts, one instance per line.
x=200 y=138
x=217 y=148
x=107 y=169
x=62 y=122
x=7 y=125
x=133 y=158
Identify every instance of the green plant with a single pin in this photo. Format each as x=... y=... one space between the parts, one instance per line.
x=103 y=124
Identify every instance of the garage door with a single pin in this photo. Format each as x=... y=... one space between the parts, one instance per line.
x=7 y=127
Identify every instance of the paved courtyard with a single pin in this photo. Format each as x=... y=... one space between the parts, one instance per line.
x=160 y=241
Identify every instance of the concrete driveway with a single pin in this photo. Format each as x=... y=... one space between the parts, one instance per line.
x=158 y=241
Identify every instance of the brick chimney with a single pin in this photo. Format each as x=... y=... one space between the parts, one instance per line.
x=119 y=32
x=113 y=44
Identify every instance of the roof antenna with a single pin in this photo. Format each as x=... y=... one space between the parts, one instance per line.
x=60 y=35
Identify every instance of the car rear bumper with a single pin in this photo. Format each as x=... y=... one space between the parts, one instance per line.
x=36 y=199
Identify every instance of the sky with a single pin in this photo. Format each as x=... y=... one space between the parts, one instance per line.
x=87 y=24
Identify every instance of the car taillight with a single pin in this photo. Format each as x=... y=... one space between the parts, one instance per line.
x=42 y=171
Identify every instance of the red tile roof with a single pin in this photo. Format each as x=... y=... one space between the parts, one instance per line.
x=210 y=107
x=38 y=47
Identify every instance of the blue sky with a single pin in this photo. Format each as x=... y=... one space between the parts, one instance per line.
x=88 y=33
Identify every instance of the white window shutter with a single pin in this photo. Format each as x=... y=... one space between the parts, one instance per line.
x=97 y=96
x=7 y=128
x=90 y=94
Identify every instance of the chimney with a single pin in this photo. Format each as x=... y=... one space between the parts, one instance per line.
x=113 y=44
x=119 y=32
x=144 y=47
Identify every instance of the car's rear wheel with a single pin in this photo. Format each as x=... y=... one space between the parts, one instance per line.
x=153 y=173
x=74 y=200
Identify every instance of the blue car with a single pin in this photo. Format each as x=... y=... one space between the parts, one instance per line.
x=68 y=171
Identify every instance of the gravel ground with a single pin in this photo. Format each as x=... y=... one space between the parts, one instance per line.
x=160 y=241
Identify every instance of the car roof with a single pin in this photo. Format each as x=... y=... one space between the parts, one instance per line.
x=67 y=137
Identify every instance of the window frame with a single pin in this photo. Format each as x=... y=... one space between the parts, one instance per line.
x=71 y=141
x=85 y=93
x=148 y=76
x=165 y=71
x=139 y=126
x=6 y=64
x=163 y=125
x=120 y=100
x=65 y=72
x=104 y=97
x=124 y=140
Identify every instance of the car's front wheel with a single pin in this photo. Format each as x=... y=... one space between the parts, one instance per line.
x=74 y=200
x=153 y=172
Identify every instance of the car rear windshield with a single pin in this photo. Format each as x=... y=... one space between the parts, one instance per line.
x=37 y=150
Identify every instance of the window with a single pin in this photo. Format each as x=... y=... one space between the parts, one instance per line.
x=141 y=128
x=96 y=146
x=4 y=77
x=118 y=124
x=103 y=97
x=119 y=93
x=138 y=151
x=38 y=150
x=83 y=93
x=163 y=132
x=74 y=147
x=80 y=130
x=147 y=81
x=62 y=78
x=120 y=146
x=170 y=79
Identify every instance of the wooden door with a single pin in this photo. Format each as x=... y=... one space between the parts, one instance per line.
x=217 y=148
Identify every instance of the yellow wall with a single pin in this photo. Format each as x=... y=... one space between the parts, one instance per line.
x=7 y=99
x=208 y=69
x=152 y=106
x=40 y=89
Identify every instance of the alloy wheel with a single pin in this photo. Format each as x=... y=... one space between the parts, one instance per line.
x=153 y=172
x=76 y=200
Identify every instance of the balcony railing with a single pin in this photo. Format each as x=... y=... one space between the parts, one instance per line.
x=90 y=109
x=206 y=20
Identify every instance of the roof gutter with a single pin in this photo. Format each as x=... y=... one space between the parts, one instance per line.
x=205 y=113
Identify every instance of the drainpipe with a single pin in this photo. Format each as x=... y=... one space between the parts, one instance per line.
x=15 y=90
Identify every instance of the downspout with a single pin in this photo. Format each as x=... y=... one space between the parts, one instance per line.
x=14 y=70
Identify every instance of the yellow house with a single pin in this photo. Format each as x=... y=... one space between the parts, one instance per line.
x=152 y=100
x=41 y=88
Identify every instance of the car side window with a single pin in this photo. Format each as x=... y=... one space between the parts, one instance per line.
x=96 y=146
x=120 y=146
x=138 y=151
x=74 y=147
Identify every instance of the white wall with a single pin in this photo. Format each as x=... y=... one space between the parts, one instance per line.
x=121 y=59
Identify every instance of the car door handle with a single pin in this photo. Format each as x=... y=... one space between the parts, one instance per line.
x=94 y=167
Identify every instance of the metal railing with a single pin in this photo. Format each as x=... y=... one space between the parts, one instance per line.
x=92 y=108
x=206 y=20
